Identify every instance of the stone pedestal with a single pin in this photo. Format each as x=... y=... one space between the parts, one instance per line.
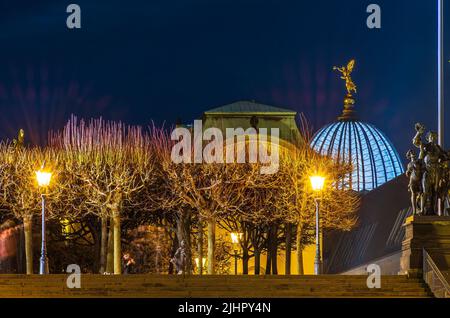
x=431 y=233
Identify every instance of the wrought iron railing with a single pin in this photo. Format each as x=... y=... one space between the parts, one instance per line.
x=434 y=278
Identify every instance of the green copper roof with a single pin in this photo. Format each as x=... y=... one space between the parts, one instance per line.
x=249 y=107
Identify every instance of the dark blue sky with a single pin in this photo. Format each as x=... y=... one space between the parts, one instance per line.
x=159 y=60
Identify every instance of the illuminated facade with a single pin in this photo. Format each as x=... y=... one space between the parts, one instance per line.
x=374 y=158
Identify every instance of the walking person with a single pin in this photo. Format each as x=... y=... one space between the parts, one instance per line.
x=128 y=264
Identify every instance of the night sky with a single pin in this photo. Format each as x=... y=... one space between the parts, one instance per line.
x=139 y=61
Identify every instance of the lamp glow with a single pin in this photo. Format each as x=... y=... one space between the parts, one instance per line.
x=203 y=261
x=235 y=237
x=317 y=182
x=43 y=178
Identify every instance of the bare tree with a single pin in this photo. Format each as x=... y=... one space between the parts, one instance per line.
x=113 y=161
x=19 y=191
x=338 y=205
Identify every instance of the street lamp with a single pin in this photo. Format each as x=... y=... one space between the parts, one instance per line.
x=317 y=183
x=235 y=239
x=43 y=179
x=197 y=263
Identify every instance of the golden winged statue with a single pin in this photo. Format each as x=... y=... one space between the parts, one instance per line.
x=19 y=142
x=345 y=75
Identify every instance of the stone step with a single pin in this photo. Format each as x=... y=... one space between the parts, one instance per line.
x=221 y=277
x=217 y=287
x=211 y=294
x=243 y=287
x=195 y=284
x=202 y=282
x=210 y=286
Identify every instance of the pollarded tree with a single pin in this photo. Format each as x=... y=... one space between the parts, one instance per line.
x=114 y=162
x=168 y=194
x=72 y=209
x=260 y=217
x=206 y=189
x=187 y=185
x=273 y=203
x=297 y=200
x=19 y=191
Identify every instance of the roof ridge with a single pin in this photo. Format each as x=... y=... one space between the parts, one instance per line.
x=249 y=106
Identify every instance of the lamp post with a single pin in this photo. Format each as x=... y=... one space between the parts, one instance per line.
x=43 y=179
x=317 y=183
x=440 y=80
x=235 y=239
x=440 y=72
x=197 y=263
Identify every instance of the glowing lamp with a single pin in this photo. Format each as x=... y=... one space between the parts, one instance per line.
x=317 y=182
x=43 y=178
x=235 y=237
x=203 y=261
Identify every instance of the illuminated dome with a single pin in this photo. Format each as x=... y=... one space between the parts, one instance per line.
x=374 y=158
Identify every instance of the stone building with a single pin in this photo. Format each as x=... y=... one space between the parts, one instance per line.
x=246 y=114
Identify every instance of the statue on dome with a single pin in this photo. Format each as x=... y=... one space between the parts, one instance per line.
x=345 y=75
x=435 y=185
x=19 y=142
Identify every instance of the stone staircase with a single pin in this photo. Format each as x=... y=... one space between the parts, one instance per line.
x=169 y=286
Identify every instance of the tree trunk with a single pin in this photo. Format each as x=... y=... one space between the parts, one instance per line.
x=200 y=247
x=268 y=260
x=93 y=228
x=20 y=263
x=174 y=250
x=103 y=243
x=28 y=231
x=269 y=253
x=117 y=244
x=187 y=235
x=287 y=270
x=274 y=259
x=257 y=261
x=299 y=249
x=110 y=248
x=184 y=234
x=273 y=249
x=245 y=259
x=211 y=245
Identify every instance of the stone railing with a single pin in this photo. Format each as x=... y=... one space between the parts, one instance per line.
x=434 y=278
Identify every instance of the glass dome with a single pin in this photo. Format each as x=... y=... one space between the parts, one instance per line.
x=375 y=160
